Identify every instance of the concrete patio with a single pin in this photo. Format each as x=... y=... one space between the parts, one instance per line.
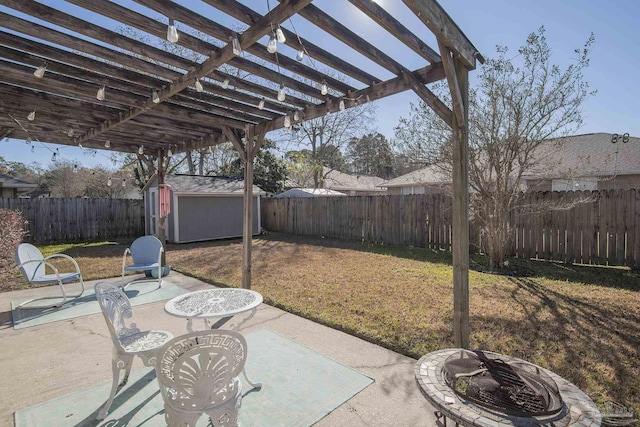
x=42 y=362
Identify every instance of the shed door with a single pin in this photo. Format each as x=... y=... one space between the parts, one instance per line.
x=153 y=209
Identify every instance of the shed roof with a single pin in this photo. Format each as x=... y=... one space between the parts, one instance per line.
x=213 y=185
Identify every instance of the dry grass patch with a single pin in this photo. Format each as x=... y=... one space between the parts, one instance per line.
x=581 y=322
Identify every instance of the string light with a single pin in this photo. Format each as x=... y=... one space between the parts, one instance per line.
x=70 y=133
x=124 y=183
x=323 y=88
x=107 y=144
x=141 y=149
x=235 y=45
x=281 y=93
x=39 y=73
x=368 y=99
x=75 y=169
x=33 y=148
x=296 y=115
x=341 y=106
x=28 y=141
x=169 y=153
x=198 y=85
x=172 y=32
x=287 y=121
x=154 y=97
x=272 y=46
x=300 y=55
x=32 y=116
x=261 y=104
x=54 y=156
x=100 y=94
x=109 y=182
x=211 y=149
x=280 y=35
x=225 y=84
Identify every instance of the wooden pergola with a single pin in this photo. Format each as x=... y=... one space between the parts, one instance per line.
x=151 y=101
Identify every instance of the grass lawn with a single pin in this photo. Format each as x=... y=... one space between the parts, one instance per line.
x=581 y=322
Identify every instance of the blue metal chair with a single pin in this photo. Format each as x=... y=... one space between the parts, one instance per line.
x=32 y=265
x=146 y=253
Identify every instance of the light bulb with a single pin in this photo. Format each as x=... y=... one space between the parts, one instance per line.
x=70 y=133
x=300 y=55
x=210 y=149
x=172 y=32
x=287 y=121
x=39 y=73
x=54 y=156
x=261 y=104
x=341 y=106
x=33 y=148
x=100 y=95
x=124 y=183
x=109 y=182
x=28 y=140
x=169 y=152
x=225 y=84
x=296 y=115
x=281 y=94
x=32 y=116
x=272 y=46
x=323 y=88
x=199 y=87
x=280 y=35
x=368 y=99
x=107 y=144
x=154 y=97
x=75 y=169
x=235 y=45
x=141 y=149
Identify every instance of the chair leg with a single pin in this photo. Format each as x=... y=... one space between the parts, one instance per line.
x=175 y=418
x=227 y=414
x=118 y=363
x=65 y=297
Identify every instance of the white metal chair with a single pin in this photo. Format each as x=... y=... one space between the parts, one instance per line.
x=32 y=265
x=198 y=374
x=128 y=341
x=146 y=252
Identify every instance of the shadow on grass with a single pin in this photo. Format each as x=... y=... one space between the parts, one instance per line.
x=592 y=345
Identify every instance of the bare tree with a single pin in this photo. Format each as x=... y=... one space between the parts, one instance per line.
x=517 y=104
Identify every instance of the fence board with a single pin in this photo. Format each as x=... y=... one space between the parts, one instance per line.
x=54 y=220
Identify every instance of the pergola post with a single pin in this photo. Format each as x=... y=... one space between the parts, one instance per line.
x=248 y=152
x=458 y=80
x=160 y=230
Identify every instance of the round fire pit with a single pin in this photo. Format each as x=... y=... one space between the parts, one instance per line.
x=491 y=390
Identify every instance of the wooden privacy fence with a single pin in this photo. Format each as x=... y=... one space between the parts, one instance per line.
x=416 y=220
x=599 y=227
x=79 y=220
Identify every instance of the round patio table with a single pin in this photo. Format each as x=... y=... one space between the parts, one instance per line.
x=579 y=410
x=223 y=303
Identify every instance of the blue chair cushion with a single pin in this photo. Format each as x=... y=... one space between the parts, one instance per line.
x=138 y=267
x=48 y=279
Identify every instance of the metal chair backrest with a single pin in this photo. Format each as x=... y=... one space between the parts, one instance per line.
x=116 y=308
x=198 y=370
x=145 y=250
x=27 y=252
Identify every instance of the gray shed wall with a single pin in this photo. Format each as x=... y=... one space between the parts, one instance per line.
x=209 y=217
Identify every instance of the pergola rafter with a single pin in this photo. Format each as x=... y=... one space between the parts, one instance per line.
x=82 y=55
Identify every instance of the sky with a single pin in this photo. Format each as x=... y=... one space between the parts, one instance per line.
x=613 y=70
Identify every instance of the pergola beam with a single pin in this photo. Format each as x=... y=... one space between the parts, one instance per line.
x=446 y=30
x=253 y=34
x=452 y=79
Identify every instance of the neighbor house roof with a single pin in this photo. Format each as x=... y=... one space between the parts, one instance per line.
x=592 y=154
x=7 y=181
x=309 y=192
x=426 y=176
x=341 y=181
x=196 y=184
